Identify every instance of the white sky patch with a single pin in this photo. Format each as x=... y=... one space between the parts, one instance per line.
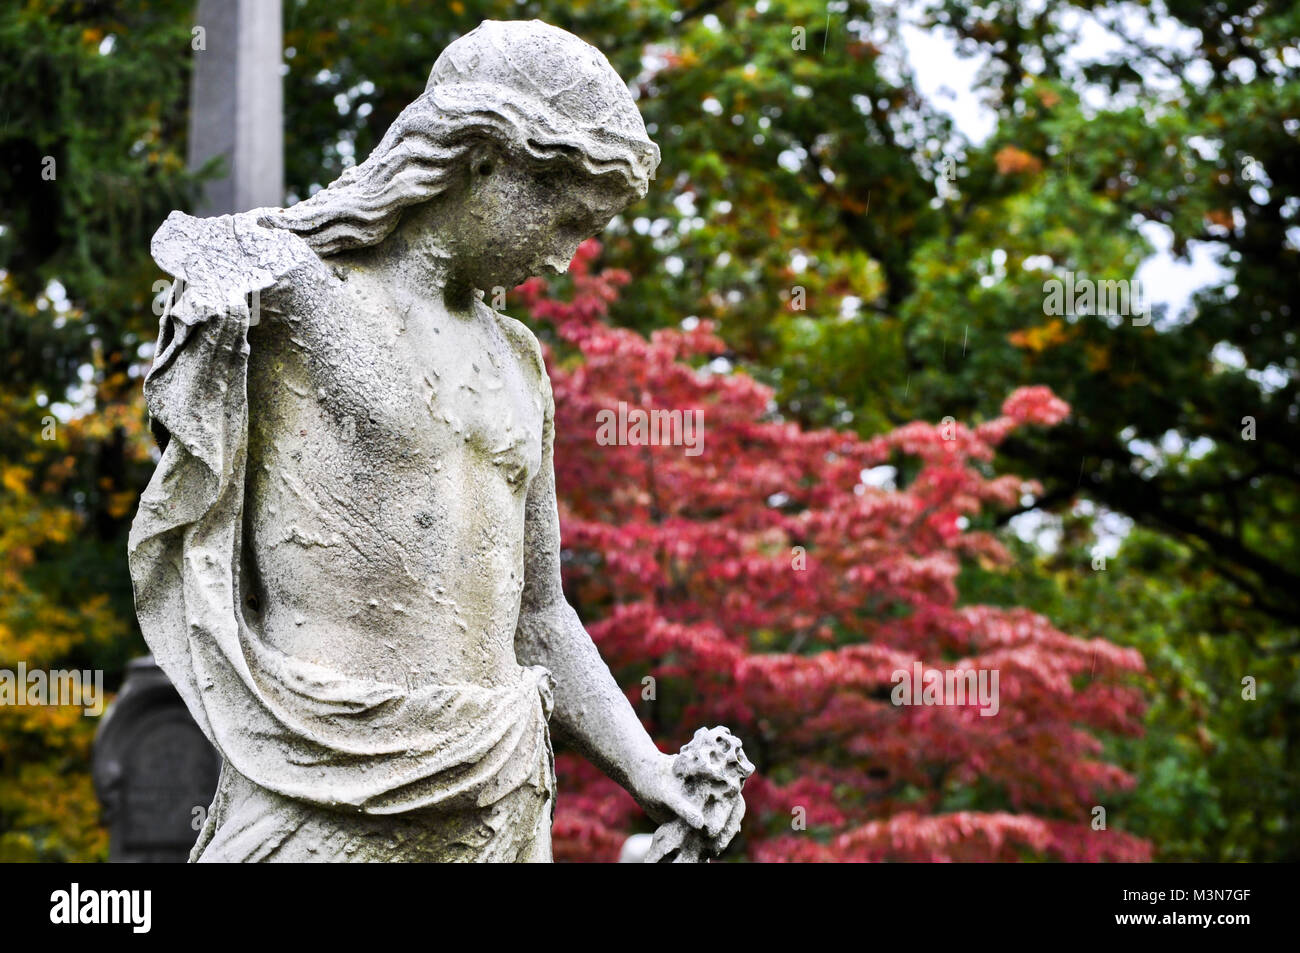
x=1039 y=528
x=1229 y=355
x=1270 y=379
x=1111 y=528
x=1044 y=530
x=1100 y=36
x=1171 y=282
x=947 y=80
x=881 y=477
x=792 y=159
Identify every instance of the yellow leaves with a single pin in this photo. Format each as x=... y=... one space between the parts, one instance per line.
x=55 y=725
x=457 y=7
x=92 y=36
x=58 y=528
x=40 y=633
x=15 y=480
x=57 y=800
x=1013 y=161
x=1040 y=338
x=684 y=59
x=1098 y=357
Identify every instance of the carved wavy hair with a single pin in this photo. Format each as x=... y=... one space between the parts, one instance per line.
x=427 y=146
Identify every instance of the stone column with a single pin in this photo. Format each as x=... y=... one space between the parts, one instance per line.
x=237 y=104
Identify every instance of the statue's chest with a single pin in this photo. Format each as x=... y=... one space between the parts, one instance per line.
x=477 y=392
x=430 y=391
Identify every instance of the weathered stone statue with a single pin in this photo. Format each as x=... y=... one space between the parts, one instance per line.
x=348 y=558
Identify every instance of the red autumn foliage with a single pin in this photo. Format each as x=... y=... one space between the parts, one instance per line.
x=765 y=585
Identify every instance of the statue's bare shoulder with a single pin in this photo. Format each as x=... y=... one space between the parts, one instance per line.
x=529 y=350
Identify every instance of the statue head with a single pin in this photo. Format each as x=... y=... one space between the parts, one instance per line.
x=524 y=143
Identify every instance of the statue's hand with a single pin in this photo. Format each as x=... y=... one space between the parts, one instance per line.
x=702 y=789
x=663 y=795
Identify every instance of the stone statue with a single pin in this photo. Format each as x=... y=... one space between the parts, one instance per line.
x=348 y=558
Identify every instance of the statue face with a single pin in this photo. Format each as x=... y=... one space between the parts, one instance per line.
x=513 y=220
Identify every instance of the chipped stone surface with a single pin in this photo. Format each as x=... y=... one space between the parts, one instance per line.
x=712 y=767
x=348 y=558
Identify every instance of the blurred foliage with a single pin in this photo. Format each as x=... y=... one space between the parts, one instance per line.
x=93 y=101
x=1213 y=778
x=790 y=175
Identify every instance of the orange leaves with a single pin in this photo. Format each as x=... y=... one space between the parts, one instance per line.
x=851 y=203
x=862 y=50
x=1013 y=161
x=1221 y=217
x=680 y=59
x=1048 y=97
x=119 y=503
x=1041 y=337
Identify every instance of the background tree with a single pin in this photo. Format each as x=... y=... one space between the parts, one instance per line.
x=756 y=579
x=92 y=113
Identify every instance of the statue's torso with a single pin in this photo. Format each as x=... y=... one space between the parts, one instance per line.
x=390 y=451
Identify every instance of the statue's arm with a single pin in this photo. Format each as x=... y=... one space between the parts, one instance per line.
x=591 y=712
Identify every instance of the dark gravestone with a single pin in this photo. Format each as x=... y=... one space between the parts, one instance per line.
x=152 y=769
